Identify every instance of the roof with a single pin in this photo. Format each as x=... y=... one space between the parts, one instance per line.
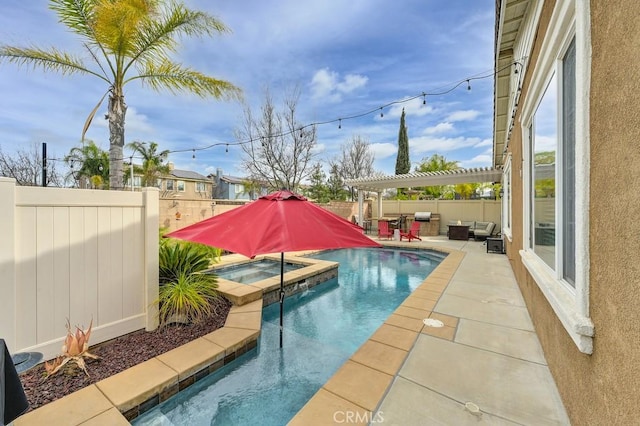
x=187 y=174
x=417 y=179
x=233 y=179
x=510 y=15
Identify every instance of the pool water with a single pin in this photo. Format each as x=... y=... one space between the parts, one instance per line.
x=252 y=272
x=322 y=328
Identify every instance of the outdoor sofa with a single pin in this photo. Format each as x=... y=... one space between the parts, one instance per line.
x=477 y=230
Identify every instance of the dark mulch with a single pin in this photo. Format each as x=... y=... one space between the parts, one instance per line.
x=117 y=355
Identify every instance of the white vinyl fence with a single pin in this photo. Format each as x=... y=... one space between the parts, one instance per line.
x=76 y=255
x=449 y=210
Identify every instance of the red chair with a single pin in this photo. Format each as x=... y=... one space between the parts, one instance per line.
x=383 y=230
x=413 y=233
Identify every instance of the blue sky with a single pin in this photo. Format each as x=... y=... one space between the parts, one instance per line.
x=346 y=58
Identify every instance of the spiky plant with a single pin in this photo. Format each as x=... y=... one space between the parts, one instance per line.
x=75 y=349
x=187 y=298
x=180 y=258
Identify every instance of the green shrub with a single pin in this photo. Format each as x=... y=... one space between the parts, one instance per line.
x=185 y=292
x=187 y=298
x=182 y=259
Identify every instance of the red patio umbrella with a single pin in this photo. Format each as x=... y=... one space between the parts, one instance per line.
x=276 y=223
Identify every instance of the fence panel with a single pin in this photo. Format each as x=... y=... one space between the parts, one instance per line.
x=76 y=255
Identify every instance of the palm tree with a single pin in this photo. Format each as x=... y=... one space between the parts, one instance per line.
x=436 y=163
x=89 y=166
x=152 y=167
x=122 y=36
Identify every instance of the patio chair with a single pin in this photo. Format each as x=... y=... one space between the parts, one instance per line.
x=413 y=233
x=383 y=230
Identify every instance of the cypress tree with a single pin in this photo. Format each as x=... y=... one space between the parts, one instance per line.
x=403 y=165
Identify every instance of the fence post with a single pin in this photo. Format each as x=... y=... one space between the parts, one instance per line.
x=8 y=261
x=151 y=276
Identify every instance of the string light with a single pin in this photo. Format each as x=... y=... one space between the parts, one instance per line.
x=444 y=90
x=194 y=154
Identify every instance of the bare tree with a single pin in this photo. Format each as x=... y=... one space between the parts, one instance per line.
x=355 y=161
x=25 y=166
x=280 y=149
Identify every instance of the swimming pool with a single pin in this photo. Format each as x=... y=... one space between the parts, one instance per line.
x=251 y=272
x=322 y=328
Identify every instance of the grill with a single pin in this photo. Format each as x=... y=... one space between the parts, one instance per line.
x=422 y=216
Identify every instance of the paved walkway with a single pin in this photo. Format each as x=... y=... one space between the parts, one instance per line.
x=492 y=371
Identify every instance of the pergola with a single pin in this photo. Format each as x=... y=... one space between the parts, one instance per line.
x=378 y=183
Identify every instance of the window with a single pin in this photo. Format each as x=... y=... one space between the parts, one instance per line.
x=201 y=187
x=180 y=186
x=171 y=184
x=556 y=143
x=239 y=189
x=544 y=146
x=159 y=183
x=569 y=165
x=506 y=198
x=137 y=181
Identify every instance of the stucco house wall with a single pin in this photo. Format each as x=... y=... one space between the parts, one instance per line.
x=601 y=387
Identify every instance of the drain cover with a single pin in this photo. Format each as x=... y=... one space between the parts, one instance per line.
x=430 y=322
x=473 y=408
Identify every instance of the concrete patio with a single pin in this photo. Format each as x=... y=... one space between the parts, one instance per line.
x=494 y=361
x=483 y=366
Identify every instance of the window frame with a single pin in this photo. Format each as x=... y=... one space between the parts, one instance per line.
x=569 y=21
x=201 y=186
x=172 y=183
x=180 y=186
x=507 y=199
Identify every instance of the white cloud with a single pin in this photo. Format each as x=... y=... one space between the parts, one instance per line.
x=414 y=107
x=482 y=160
x=319 y=148
x=383 y=150
x=327 y=84
x=444 y=127
x=486 y=142
x=464 y=115
x=352 y=82
x=426 y=144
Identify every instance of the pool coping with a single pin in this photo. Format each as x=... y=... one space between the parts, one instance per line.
x=315 y=272
x=355 y=391
x=358 y=386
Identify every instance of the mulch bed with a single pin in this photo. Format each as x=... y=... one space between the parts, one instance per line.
x=117 y=355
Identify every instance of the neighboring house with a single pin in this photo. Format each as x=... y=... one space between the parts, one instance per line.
x=233 y=188
x=566 y=132
x=181 y=184
x=186 y=184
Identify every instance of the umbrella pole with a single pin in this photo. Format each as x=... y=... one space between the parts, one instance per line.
x=281 y=296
